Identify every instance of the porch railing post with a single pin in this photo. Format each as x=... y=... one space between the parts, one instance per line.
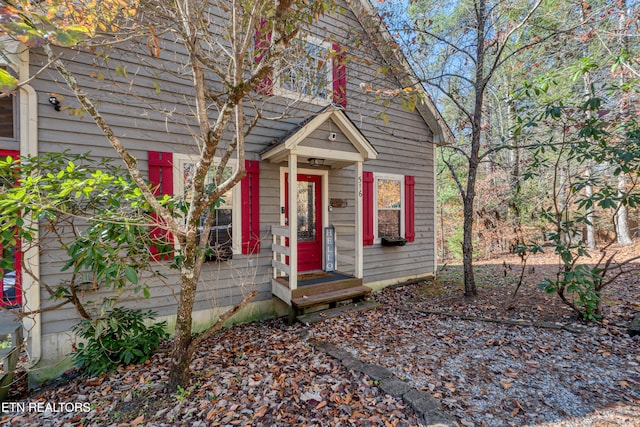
x=293 y=221
x=359 y=249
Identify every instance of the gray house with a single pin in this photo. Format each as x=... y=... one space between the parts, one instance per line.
x=337 y=200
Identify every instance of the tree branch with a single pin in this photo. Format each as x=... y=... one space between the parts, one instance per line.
x=220 y=323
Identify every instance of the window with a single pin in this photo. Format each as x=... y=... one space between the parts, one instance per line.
x=7 y=115
x=225 y=235
x=388 y=207
x=389 y=220
x=309 y=74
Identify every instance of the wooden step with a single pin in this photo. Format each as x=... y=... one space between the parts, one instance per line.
x=322 y=288
x=329 y=297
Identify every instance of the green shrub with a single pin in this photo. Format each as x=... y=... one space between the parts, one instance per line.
x=119 y=336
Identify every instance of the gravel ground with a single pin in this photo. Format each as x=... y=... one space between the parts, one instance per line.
x=497 y=375
x=501 y=374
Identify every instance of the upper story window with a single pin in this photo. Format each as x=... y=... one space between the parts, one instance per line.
x=390 y=206
x=7 y=115
x=307 y=72
x=225 y=236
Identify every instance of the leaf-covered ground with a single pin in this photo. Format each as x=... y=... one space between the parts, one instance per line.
x=484 y=373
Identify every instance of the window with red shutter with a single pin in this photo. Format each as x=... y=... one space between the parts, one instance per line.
x=236 y=226
x=393 y=208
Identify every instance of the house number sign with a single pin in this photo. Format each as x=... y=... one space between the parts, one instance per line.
x=329 y=248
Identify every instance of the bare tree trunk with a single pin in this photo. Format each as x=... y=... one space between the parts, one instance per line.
x=182 y=349
x=621 y=220
x=467 y=248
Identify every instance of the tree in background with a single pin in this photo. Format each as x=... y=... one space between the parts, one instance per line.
x=462 y=49
x=214 y=50
x=577 y=135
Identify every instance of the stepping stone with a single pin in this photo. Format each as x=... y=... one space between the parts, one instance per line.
x=319 y=316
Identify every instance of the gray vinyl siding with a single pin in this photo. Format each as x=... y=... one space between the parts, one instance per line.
x=320 y=139
x=405 y=146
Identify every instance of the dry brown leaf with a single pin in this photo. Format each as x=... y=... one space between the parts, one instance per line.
x=137 y=420
x=321 y=404
x=450 y=386
x=511 y=374
x=261 y=411
x=506 y=384
x=211 y=414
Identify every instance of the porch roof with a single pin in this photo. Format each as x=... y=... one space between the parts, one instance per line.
x=291 y=143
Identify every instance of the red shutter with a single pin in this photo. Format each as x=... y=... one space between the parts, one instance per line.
x=161 y=172
x=367 y=208
x=250 y=191
x=161 y=178
x=262 y=42
x=339 y=77
x=409 y=210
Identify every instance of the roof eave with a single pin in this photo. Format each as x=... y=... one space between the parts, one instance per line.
x=427 y=109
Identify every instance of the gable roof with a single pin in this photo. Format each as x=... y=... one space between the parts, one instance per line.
x=336 y=158
x=376 y=29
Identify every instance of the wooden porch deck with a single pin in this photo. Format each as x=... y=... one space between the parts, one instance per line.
x=323 y=288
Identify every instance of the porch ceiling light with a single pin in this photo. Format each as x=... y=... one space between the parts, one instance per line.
x=316 y=162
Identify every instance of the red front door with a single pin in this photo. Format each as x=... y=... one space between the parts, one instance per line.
x=309 y=226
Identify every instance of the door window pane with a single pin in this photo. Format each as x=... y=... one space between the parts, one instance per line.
x=306 y=211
